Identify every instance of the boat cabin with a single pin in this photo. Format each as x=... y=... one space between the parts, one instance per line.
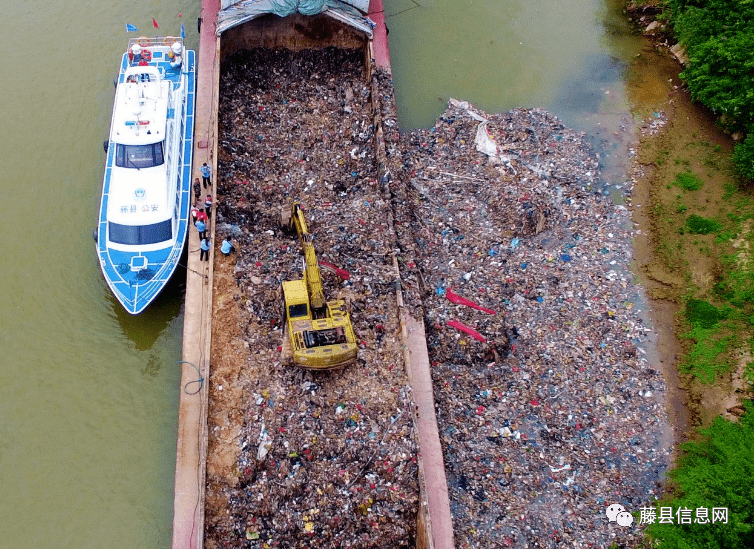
x=141 y=105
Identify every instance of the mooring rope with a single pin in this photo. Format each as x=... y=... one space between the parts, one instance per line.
x=200 y=381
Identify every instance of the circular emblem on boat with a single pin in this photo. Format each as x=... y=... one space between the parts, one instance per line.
x=140 y=194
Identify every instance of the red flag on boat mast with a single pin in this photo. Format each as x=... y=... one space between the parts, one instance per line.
x=155 y=23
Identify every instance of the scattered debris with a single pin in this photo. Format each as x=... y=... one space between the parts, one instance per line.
x=321 y=459
x=559 y=414
x=547 y=407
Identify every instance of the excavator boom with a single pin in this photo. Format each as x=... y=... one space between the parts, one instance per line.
x=312 y=275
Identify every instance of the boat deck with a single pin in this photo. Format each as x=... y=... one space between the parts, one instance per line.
x=160 y=61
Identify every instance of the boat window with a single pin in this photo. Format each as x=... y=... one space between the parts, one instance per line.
x=139 y=156
x=136 y=235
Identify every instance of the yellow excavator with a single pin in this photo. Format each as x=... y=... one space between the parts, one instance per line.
x=320 y=332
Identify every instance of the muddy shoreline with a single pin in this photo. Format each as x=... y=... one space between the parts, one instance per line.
x=660 y=150
x=663 y=304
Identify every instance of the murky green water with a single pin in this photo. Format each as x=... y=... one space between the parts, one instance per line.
x=88 y=394
x=570 y=57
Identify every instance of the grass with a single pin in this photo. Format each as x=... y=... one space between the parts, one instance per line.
x=702 y=314
x=688 y=181
x=696 y=224
x=719 y=316
x=737 y=287
x=709 y=354
x=717 y=471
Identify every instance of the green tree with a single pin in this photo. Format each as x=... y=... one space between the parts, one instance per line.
x=715 y=473
x=718 y=36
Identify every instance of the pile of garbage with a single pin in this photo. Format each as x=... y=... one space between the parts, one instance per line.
x=327 y=459
x=548 y=408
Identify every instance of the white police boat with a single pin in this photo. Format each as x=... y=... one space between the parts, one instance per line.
x=146 y=194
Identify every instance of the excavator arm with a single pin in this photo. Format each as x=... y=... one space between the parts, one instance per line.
x=312 y=275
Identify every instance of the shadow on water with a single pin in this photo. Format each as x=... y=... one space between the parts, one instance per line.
x=144 y=329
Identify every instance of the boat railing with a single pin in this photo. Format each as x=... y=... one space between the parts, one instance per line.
x=157 y=41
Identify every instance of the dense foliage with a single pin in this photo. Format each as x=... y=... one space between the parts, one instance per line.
x=717 y=472
x=718 y=36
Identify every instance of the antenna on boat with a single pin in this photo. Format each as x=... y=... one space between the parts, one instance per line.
x=137 y=112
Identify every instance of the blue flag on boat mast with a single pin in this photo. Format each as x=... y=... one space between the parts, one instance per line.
x=183 y=31
x=131 y=28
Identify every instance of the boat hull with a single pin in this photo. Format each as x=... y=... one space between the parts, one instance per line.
x=137 y=274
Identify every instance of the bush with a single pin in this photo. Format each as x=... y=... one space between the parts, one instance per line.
x=743 y=156
x=717 y=472
x=718 y=35
x=697 y=224
x=702 y=314
x=719 y=75
x=741 y=285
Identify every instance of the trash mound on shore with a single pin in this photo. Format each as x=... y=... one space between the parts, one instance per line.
x=324 y=459
x=548 y=408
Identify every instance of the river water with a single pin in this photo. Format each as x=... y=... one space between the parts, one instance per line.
x=88 y=394
x=570 y=57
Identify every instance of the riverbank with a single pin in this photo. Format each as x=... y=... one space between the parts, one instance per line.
x=694 y=259
x=682 y=169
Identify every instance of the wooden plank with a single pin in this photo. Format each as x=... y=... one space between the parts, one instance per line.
x=191 y=451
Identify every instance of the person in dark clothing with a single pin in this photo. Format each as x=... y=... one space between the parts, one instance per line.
x=197 y=188
x=208 y=206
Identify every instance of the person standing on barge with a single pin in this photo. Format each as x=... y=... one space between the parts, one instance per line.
x=206 y=173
